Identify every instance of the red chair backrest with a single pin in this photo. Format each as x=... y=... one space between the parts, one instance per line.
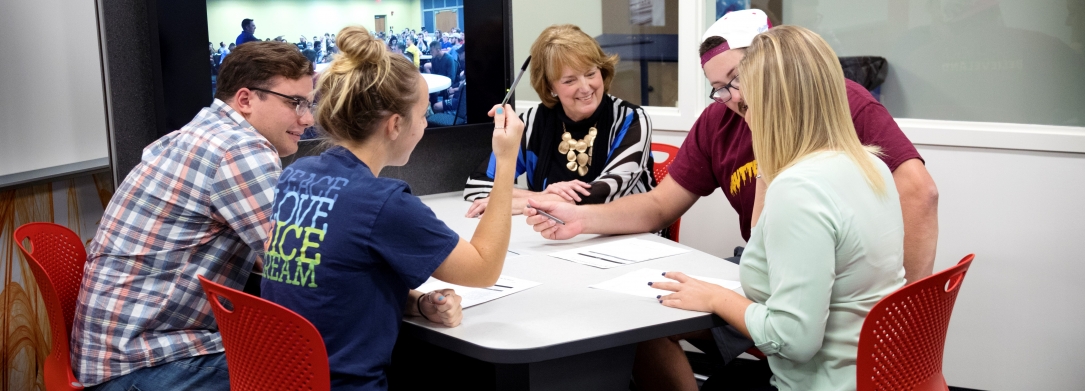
x=268 y=347
x=56 y=257
x=904 y=335
x=660 y=171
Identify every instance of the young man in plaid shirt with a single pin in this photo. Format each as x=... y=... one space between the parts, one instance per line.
x=198 y=204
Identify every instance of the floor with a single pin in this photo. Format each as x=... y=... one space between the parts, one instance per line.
x=705 y=367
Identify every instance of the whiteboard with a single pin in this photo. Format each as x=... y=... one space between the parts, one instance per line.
x=52 y=96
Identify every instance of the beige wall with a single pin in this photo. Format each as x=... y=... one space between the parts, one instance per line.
x=292 y=19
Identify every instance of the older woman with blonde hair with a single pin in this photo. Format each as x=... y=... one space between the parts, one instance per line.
x=829 y=242
x=580 y=145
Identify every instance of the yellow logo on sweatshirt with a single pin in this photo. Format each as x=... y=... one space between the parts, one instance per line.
x=747 y=172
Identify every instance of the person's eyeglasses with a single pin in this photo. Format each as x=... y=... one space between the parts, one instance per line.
x=723 y=94
x=301 y=106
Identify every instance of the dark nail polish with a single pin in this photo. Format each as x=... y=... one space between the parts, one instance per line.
x=664 y=274
x=659 y=296
x=649 y=284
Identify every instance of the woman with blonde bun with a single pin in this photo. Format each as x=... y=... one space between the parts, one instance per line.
x=348 y=246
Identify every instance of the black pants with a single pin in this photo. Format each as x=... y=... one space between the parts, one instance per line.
x=741 y=375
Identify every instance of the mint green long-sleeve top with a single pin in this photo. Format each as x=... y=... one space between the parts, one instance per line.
x=825 y=250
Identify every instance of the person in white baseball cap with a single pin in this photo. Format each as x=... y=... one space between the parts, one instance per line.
x=718 y=154
x=723 y=46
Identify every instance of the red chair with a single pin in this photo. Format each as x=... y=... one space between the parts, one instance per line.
x=660 y=172
x=268 y=347
x=904 y=335
x=56 y=257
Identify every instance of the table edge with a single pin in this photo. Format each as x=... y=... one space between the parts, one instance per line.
x=564 y=349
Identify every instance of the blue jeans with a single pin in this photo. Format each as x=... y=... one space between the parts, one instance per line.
x=206 y=372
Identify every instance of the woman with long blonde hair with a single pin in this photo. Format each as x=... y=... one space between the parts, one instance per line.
x=829 y=242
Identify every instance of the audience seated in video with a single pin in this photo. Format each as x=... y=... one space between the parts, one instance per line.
x=440 y=53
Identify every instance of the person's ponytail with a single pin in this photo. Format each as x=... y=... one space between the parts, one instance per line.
x=363 y=86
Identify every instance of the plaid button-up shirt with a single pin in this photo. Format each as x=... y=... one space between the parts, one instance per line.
x=199 y=203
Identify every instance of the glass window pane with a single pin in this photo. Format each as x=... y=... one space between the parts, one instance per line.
x=966 y=60
x=644 y=33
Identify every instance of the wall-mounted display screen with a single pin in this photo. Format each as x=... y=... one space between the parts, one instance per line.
x=431 y=33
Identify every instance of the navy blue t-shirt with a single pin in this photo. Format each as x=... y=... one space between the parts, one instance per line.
x=344 y=252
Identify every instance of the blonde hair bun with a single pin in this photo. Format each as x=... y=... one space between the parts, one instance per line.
x=358 y=46
x=364 y=86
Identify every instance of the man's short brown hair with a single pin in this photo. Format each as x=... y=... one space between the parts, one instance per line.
x=254 y=64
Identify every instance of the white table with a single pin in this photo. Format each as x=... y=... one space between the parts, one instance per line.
x=437 y=82
x=562 y=334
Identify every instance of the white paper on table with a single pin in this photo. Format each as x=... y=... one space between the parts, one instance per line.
x=636 y=283
x=505 y=286
x=636 y=250
x=514 y=252
x=618 y=253
x=591 y=259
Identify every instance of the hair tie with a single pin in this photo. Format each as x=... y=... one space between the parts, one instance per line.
x=419 y=305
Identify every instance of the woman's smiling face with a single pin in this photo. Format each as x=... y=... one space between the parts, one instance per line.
x=580 y=91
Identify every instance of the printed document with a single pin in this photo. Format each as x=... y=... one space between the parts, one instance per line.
x=636 y=283
x=619 y=252
x=505 y=286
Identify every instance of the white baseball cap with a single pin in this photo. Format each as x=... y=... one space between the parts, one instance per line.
x=738 y=28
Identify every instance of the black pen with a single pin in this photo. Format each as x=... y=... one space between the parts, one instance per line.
x=549 y=216
x=499 y=115
x=516 y=81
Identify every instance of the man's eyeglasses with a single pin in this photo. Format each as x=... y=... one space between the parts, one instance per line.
x=301 y=106
x=723 y=94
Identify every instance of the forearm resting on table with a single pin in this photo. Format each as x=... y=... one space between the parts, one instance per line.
x=524 y=193
x=519 y=203
x=644 y=212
